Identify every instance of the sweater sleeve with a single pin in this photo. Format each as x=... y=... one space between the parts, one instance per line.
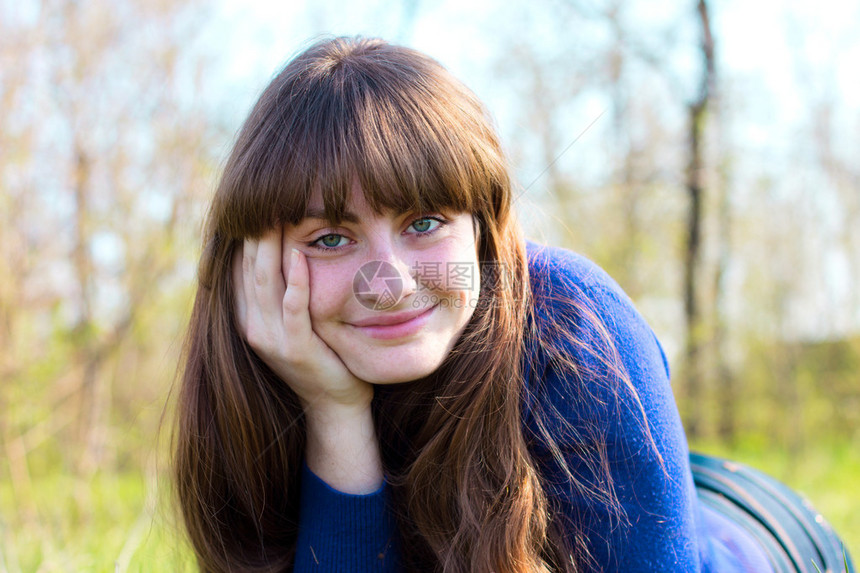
x=340 y=532
x=589 y=409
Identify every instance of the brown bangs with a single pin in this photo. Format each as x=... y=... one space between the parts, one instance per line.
x=392 y=121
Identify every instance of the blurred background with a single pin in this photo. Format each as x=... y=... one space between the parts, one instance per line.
x=704 y=152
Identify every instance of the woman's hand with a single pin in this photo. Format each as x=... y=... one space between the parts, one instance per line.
x=272 y=306
x=273 y=309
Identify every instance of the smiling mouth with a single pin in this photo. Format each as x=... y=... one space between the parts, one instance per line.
x=396 y=325
x=390 y=319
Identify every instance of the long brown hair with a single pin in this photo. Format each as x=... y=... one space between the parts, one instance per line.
x=467 y=493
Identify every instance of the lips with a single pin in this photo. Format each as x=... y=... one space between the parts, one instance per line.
x=398 y=325
x=390 y=319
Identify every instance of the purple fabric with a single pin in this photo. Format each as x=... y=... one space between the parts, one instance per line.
x=733 y=542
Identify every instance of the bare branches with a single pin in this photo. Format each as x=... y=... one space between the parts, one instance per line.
x=103 y=158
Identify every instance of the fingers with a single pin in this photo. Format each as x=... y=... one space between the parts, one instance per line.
x=297 y=298
x=272 y=302
x=267 y=277
x=260 y=290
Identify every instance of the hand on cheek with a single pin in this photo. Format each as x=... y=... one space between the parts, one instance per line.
x=272 y=305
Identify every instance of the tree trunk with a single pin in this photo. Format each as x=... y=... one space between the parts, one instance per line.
x=694 y=324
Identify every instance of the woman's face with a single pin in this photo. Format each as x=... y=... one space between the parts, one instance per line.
x=390 y=293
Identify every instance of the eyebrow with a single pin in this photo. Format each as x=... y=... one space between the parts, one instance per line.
x=313 y=213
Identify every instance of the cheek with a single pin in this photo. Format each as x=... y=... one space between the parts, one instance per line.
x=330 y=289
x=462 y=271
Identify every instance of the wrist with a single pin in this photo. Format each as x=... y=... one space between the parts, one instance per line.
x=327 y=405
x=329 y=402
x=342 y=448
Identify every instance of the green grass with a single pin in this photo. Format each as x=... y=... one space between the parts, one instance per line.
x=827 y=474
x=108 y=523
x=119 y=523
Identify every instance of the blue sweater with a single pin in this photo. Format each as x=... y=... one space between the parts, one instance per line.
x=662 y=526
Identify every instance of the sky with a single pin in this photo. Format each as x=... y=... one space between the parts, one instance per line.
x=759 y=38
x=770 y=50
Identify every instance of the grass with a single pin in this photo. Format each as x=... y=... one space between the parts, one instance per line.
x=827 y=474
x=109 y=523
x=123 y=523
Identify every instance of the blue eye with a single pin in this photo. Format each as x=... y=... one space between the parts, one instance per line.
x=330 y=241
x=421 y=227
x=425 y=224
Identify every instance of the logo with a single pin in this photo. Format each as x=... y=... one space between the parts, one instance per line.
x=385 y=274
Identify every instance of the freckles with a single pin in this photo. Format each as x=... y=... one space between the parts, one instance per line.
x=330 y=286
x=317 y=287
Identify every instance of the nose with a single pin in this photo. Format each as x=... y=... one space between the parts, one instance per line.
x=384 y=279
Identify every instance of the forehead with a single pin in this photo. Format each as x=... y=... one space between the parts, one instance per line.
x=354 y=199
x=354 y=208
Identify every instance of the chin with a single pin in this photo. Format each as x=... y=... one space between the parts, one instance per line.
x=394 y=373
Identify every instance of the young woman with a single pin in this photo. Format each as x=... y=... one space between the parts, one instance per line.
x=383 y=375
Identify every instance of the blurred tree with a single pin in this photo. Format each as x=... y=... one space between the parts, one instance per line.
x=709 y=271
x=104 y=154
x=693 y=375
x=724 y=372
